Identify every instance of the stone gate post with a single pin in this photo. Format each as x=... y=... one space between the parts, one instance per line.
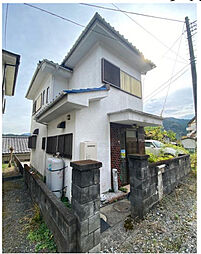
x=86 y=204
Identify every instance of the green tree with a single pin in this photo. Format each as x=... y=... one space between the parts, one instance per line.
x=158 y=133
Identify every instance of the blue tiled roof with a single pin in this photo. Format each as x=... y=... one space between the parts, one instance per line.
x=84 y=90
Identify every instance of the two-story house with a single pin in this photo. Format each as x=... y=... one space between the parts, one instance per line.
x=94 y=95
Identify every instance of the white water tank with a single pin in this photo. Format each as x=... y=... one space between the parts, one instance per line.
x=88 y=150
x=54 y=175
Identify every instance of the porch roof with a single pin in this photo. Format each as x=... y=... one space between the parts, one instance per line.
x=129 y=117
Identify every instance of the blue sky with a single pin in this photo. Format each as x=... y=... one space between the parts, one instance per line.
x=36 y=35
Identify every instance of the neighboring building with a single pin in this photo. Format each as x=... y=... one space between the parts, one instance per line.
x=94 y=95
x=10 y=65
x=191 y=129
x=189 y=144
x=20 y=146
x=190 y=141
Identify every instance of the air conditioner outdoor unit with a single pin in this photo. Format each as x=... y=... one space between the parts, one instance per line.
x=88 y=150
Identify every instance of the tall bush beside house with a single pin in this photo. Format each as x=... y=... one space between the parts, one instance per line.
x=158 y=133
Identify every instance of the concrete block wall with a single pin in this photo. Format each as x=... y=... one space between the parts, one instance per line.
x=59 y=219
x=148 y=182
x=86 y=204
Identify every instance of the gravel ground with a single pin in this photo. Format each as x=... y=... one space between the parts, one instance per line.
x=16 y=212
x=170 y=226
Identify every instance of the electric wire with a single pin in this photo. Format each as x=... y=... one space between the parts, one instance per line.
x=5 y=28
x=166 y=86
x=169 y=48
x=162 y=86
x=171 y=75
x=130 y=12
x=68 y=20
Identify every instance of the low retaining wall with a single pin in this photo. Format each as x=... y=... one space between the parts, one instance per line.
x=175 y=169
x=18 y=163
x=21 y=157
x=59 y=219
x=149 y=182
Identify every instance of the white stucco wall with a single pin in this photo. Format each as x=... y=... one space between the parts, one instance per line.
x=59 y=84
x=87 y=72
x=90 y=123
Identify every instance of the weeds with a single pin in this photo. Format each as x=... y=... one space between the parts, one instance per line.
x=40 y=234
x=123 y=189
x=66 y=202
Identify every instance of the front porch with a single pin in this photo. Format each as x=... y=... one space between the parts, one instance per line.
x=127 y=137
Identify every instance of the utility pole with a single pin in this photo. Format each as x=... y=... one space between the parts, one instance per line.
x=193 y=66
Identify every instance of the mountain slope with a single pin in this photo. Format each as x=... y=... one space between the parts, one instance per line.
x=176 y=125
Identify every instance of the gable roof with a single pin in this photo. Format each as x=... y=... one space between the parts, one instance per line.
x=114 y=33
x=19 y=143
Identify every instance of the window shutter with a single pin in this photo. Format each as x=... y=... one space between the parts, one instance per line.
x=61 y=144
x=51 y=145
x=110 y=73
x=43 y=143
x=65 y=145
x=68 y=141
x=32 y=142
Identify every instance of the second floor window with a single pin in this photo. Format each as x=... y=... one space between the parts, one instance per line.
x=43 y=97
x=47 y=95
x=114 y=76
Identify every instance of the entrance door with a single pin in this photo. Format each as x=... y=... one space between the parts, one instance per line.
x=123 y=142
x=128 y=144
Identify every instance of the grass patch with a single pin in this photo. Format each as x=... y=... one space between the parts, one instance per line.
x=123 y=189
x=4 y=166
x=40 y=234
x=9 y=171
x=66 y=202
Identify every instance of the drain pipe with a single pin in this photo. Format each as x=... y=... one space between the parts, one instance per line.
x=115 y=179
x=45 y=144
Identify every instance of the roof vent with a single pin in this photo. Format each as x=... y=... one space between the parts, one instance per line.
x=62 y=125
x=36 y=131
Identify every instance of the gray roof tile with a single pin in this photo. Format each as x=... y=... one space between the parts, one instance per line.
x=19 y=143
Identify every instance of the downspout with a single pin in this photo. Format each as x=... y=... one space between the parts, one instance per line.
x=45 y=146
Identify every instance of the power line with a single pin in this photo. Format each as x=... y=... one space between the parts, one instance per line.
x=129 y=12
x=68 y=20
x=169 y=48
x=163 y=84
x=167 y=85
x=5 y=29
x=172 y=74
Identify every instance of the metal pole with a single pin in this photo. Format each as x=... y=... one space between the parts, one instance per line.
x=193 y=66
